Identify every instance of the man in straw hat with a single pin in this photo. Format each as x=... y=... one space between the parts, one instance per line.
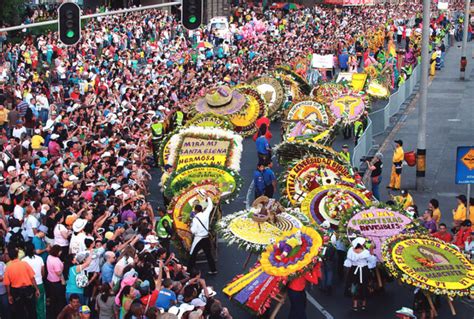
x=405 y=313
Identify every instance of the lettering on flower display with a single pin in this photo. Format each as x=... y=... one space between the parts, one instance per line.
x=308 y=110
x=377 y=224
x=433 y=263
x=203 y=151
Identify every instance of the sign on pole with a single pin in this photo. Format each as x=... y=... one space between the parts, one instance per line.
x=465 y=165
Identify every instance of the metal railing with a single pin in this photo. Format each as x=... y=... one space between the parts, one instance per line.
x=378 y=121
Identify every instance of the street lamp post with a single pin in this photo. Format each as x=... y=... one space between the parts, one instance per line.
x=464 y=39
x=425 y=61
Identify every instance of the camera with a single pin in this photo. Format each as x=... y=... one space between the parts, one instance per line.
x=366 y=158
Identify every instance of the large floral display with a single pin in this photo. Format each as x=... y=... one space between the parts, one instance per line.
x=429 y=263
x=255 y=228
x=290 y=256
x=331 y=202
x=205 y=145
x=313 y=172
x=377 y=225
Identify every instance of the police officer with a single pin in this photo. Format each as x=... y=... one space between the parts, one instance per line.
x=345 y=153
x=164 y=230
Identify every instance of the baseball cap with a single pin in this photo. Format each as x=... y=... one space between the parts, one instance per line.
x=84 y=309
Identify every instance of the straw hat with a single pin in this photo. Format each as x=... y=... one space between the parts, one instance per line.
x=221 y=100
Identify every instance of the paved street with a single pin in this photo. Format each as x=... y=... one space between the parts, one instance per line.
x=450 y=123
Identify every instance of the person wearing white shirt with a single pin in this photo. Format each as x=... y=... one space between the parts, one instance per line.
x=77 y=244
x=359 y=260
x=200 y=231
x=37 y=263
x=31 y=223
x=19 y=211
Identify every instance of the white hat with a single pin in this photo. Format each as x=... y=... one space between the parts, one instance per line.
x=115 y=186
x=151 y=239
x=407 y=312
x=358 y=241
x=11 y=169
x=105 y=154
x=211 y=293
x=79 y=225
x=179 y=311
x=73 y=178
x=118 y=193
x=54 y=136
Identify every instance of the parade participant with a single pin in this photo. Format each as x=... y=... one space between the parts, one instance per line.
x=434 y=206
x=463 y=234
x=405 y=313
x=375 y=166
x=358 y=131
x=443 y=233
x=428 y=222
x=328 y=256
x=259 y=180
x=459 y=214
x=359 y=260
x=262 y=120
x=164 y=230
x=297 y=293
x=397 y=162
x=345 y=153
x=263 y=147
x=405 y=200
x=168 y=169
x=201 y=240
x=270 y=181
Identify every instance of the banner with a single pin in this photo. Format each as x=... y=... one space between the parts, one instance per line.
x=322 y=61
x=358 y=81
x=377 y=224
x=202 y=151
x=443 y=4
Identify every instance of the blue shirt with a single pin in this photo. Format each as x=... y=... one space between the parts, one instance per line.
x=165 y=298
x=262 y=145
x=107 y=273
x=259 y=181
x=343 y=59
x=268 y=176
x=40 y=244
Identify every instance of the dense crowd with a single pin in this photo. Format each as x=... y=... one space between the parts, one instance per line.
x=79 y=238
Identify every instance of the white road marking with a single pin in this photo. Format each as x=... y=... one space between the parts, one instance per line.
x=318 y=306
x=249 y=193
x=448 y=194
x=454 y=120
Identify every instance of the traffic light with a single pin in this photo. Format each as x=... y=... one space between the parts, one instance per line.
x=69 y=23
x=191 y=14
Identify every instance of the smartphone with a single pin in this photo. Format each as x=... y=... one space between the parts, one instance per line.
x=157 y=271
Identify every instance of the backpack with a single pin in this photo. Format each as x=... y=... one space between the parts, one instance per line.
x=17 y=238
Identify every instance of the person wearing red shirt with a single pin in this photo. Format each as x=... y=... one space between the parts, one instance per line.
x=297 y=294
x=443 y=233
x=258 y=123
x=463 y=233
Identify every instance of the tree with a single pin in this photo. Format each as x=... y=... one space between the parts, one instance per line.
x=11 y=12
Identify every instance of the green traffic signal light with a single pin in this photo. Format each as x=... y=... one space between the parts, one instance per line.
x=192 y=19
x=70 y=34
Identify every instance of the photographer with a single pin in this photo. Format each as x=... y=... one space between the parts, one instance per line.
x=375 y=166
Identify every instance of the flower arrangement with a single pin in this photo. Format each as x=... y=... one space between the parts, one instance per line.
x=273 y=91
x=288 y=151
x=241 y=229
x=347 y=108
x=227 y=179
x=256 y=107
x=429 y=263
x=210 y=135
x=287 y=74
x=210 y=120
x=292 y=253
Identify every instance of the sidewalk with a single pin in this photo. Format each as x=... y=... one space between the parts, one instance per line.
x=450 y=123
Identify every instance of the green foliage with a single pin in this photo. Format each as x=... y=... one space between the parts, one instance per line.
x=12 y=11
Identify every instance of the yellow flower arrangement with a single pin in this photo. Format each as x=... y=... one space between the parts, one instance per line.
x=283 y=270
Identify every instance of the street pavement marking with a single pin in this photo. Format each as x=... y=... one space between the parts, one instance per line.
x=454 y=120
x=249 y=193
x=448 y=194
x=318 y=306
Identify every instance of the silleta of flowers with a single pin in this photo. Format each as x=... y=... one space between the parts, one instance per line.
x=292 y=253
x=428 y=263
x=228 y=180
x=210 y=120
x=291 y=256
x=242 y=229
x=205 y=145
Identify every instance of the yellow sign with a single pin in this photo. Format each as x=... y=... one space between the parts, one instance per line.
x=433 y=263
x=468 y=159
x=358 y=81
x=202 y=151
x=219 y=176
